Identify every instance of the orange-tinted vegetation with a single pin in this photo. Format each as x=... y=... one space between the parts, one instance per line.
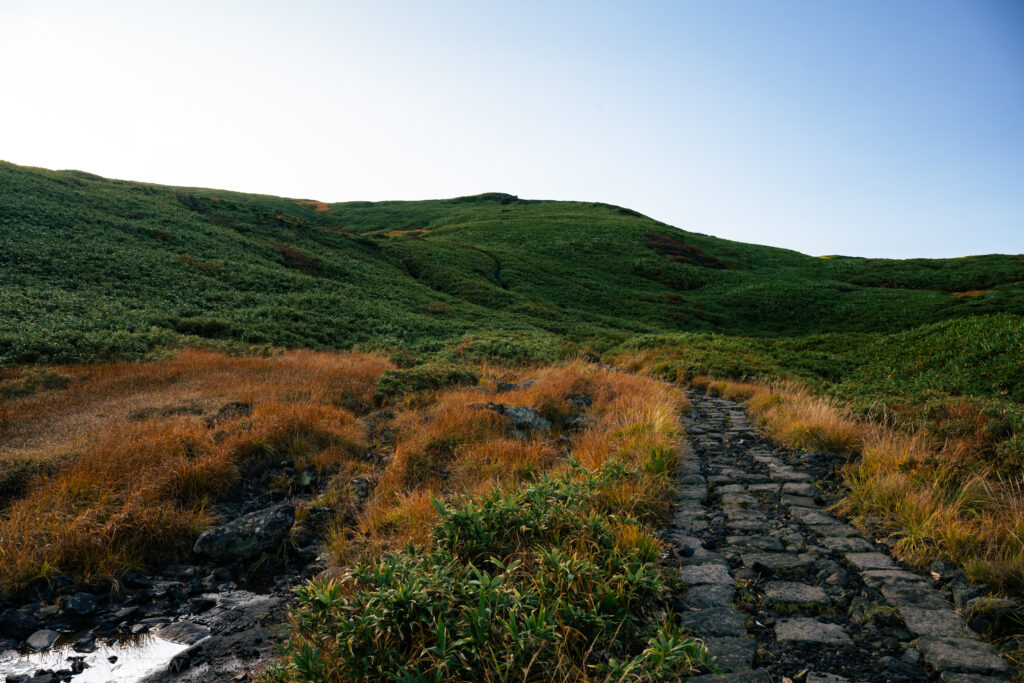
x=973 y=292
x=145 y=447
x=318 y=207
x=457 y=446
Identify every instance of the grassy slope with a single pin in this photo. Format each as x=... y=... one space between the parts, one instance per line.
x=96 y=268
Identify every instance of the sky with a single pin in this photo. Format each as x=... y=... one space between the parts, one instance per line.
x=875 y=128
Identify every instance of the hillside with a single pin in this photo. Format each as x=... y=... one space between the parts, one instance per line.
x=474 y=437
x=96 y=269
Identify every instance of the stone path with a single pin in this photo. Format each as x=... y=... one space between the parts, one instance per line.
x=779 y=588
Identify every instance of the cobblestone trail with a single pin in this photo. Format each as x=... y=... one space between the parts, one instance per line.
x=779 y=588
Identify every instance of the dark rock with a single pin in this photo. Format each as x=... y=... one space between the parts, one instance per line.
x=16 y=678
x=963 y=592
x=42 y=640
x=184 y=632
x=6 y=644
x=200 y=604
x=502 y=387
x=82 y=604
x=715 y=621
x=47 y=677
x=257 y=532
x=521 y=417
x=105 y=628
x=85 y=644
x=995 y=616
x=132 y=580
x=17 y=624
x=581 y=401
x=180 y=662
x=361 y=487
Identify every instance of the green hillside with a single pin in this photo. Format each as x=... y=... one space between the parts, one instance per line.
x=95 y=269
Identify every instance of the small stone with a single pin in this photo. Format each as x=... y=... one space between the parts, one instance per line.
x=42 y=640
x=697 y=574
x=715 y=621
x=911 y=655
x=804 y=630
x=815 y=677
x=755 y=676
x=257 y=532
x=881 y=577
x=85 y=644
x=870 y=560
x=951 y=677
x=961 y=654
x=790 y=591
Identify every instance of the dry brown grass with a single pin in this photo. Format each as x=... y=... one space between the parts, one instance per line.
x=936 y=498
x=453 y=446
x=147 y=451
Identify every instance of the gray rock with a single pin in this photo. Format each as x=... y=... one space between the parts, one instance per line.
x=790 y=591
x=870 y=560
x=882 y=577
x=961 y=654
x=258 y=532
x=697 y=574
x=710 y=595
x=934 y=622
x=804 y=489
x=913 y=595
x=42 y=640
x=849 y=544
x=581 y=401
x=815 y=677
x=715 y=621
x=803 y=630
x=952 y=677
x=183 y=632
x=774 y=561
x=756 y=676
x=732 y=654
x=521 y=417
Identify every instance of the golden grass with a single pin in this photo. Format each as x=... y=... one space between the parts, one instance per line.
x=142 y=470
x=455 y=446
x=938 y=499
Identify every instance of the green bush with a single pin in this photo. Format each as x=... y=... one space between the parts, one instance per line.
x=395 y=384
x=532 y=585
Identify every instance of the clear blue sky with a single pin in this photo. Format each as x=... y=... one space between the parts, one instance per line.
x=858 y=127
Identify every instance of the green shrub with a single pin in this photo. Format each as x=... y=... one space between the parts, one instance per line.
x=395 y=384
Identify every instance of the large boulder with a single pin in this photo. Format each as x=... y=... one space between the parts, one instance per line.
x=250 y=535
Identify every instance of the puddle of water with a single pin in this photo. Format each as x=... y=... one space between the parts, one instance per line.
x=136 y=657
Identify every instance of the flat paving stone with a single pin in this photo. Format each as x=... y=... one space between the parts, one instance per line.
x=738 y=499
x=715 y=621
x=934 y=622
x=964 y=655
x=756 y=676
x=730 y=488
x=882 y=577
x=870 y=560
x=815 y=677
x=764 y=488
x=810 y=516
x=834 y=528
x=802 y=630
x=697 y=574
x=848 y=544
x=775 y=561
x=765 y=543
x=792 y=591
x=953 y=677
x=732 y=654
x=797 y=501
x=913 y=595
x=797 y=488
x=711 y=595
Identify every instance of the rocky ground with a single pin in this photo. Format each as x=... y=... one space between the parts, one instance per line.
x=781 y=589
